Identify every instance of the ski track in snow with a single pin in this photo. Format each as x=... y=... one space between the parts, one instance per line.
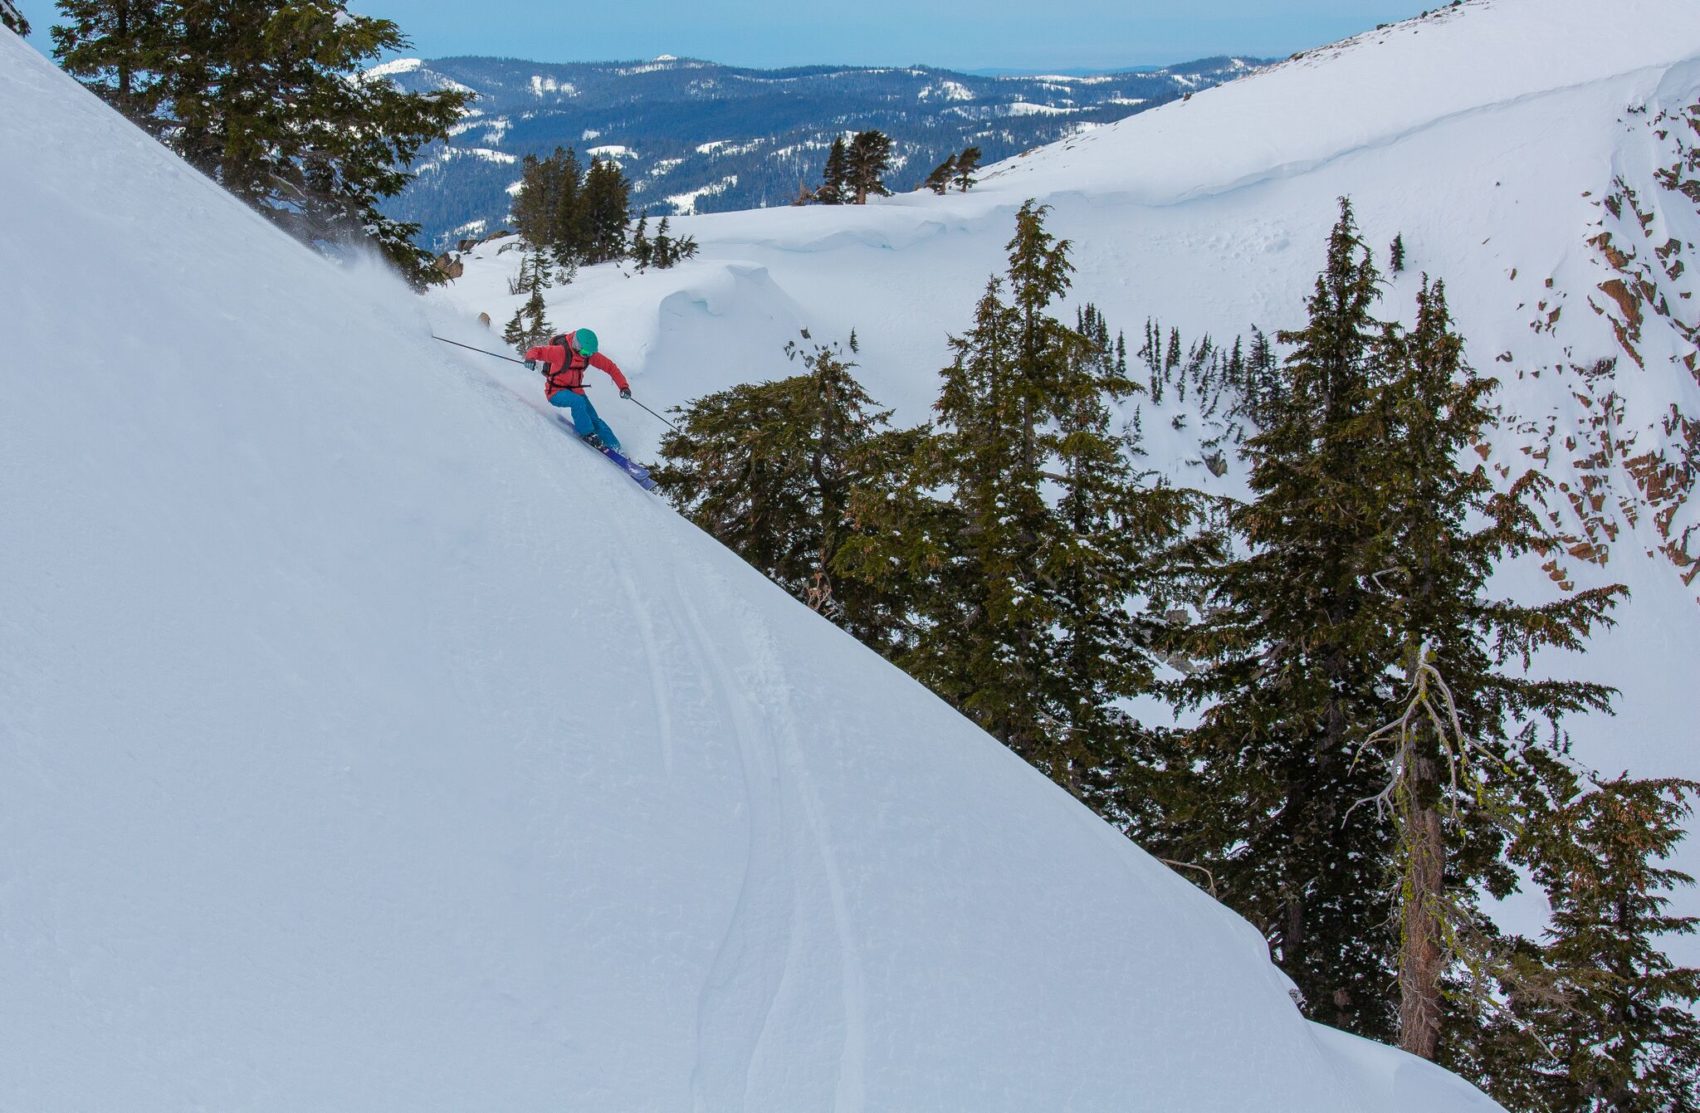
x=744 y=980
x=661 y=699
x=852 y=1055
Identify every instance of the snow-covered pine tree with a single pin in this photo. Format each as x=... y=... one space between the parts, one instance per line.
x=12 y=19
x=114 y=47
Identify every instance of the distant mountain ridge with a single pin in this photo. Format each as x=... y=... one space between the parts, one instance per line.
x=696 y=136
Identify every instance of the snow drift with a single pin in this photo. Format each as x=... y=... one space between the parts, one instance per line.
x=366 y=744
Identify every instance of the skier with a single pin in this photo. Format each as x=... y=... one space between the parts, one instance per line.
x=564 y=359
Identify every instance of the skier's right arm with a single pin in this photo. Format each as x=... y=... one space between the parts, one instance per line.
x=551 y=356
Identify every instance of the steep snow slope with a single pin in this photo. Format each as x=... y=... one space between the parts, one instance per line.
x=366 y=744
x=1541 y=156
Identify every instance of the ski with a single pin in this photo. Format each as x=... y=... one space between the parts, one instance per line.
x=639 y=473
x=636 y=471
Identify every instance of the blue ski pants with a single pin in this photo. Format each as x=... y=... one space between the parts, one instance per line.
x=584 y=415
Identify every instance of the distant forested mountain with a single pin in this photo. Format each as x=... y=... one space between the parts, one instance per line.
x=695 y=136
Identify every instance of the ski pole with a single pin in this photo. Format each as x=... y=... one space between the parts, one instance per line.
x=656 y=416
x=485 y=351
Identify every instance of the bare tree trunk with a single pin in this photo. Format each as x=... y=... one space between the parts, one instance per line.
x=1422 y=951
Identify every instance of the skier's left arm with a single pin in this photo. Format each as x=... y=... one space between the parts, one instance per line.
x=603 y=363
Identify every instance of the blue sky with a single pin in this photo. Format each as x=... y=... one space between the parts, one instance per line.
x=956 y=34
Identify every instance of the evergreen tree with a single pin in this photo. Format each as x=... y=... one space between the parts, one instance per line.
x=1466 y=716
x=642 y=249
x=1292 y=653
x=270 y=99
x=992 y=658
x=661 y=247
x=1362 y=574
x=12 y=19
x=115 y=48
x=835 y=180
x=1011 y=590
x=529 y=327
x=568 y=235
x=866 y=162
x=606 y=206
x=534 y=203
x=1261 y=382
x=966 y=163
x=1617 y=1030
x=1396 y=254
x=771 y=469
x=684 y=247
x=939 y=180
x=1111 y=542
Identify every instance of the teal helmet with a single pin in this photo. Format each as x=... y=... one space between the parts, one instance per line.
x=585 y=341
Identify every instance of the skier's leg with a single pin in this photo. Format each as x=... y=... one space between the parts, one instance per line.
x=601 y=427
x=576 y=404
x=607 y=434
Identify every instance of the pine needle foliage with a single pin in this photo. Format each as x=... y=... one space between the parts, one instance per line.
x=835 y=186
x=12 y=19
x=1613 y=1028
x=1451 y=777
x=1018 y=528
x=269 y=99
x=866 y=162
x=579 y=215
x=1291 y=681
x=1365 y=558
x=771 y=470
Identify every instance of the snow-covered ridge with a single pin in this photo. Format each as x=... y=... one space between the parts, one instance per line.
x=391 y=68
x=1630 y=467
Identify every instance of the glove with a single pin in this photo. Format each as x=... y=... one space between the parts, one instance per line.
x=625 y=392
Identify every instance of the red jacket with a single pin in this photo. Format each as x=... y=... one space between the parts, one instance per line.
x=565 y=366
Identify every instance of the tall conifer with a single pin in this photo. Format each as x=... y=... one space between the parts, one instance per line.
x=1447 y=528
x=1294 y=649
